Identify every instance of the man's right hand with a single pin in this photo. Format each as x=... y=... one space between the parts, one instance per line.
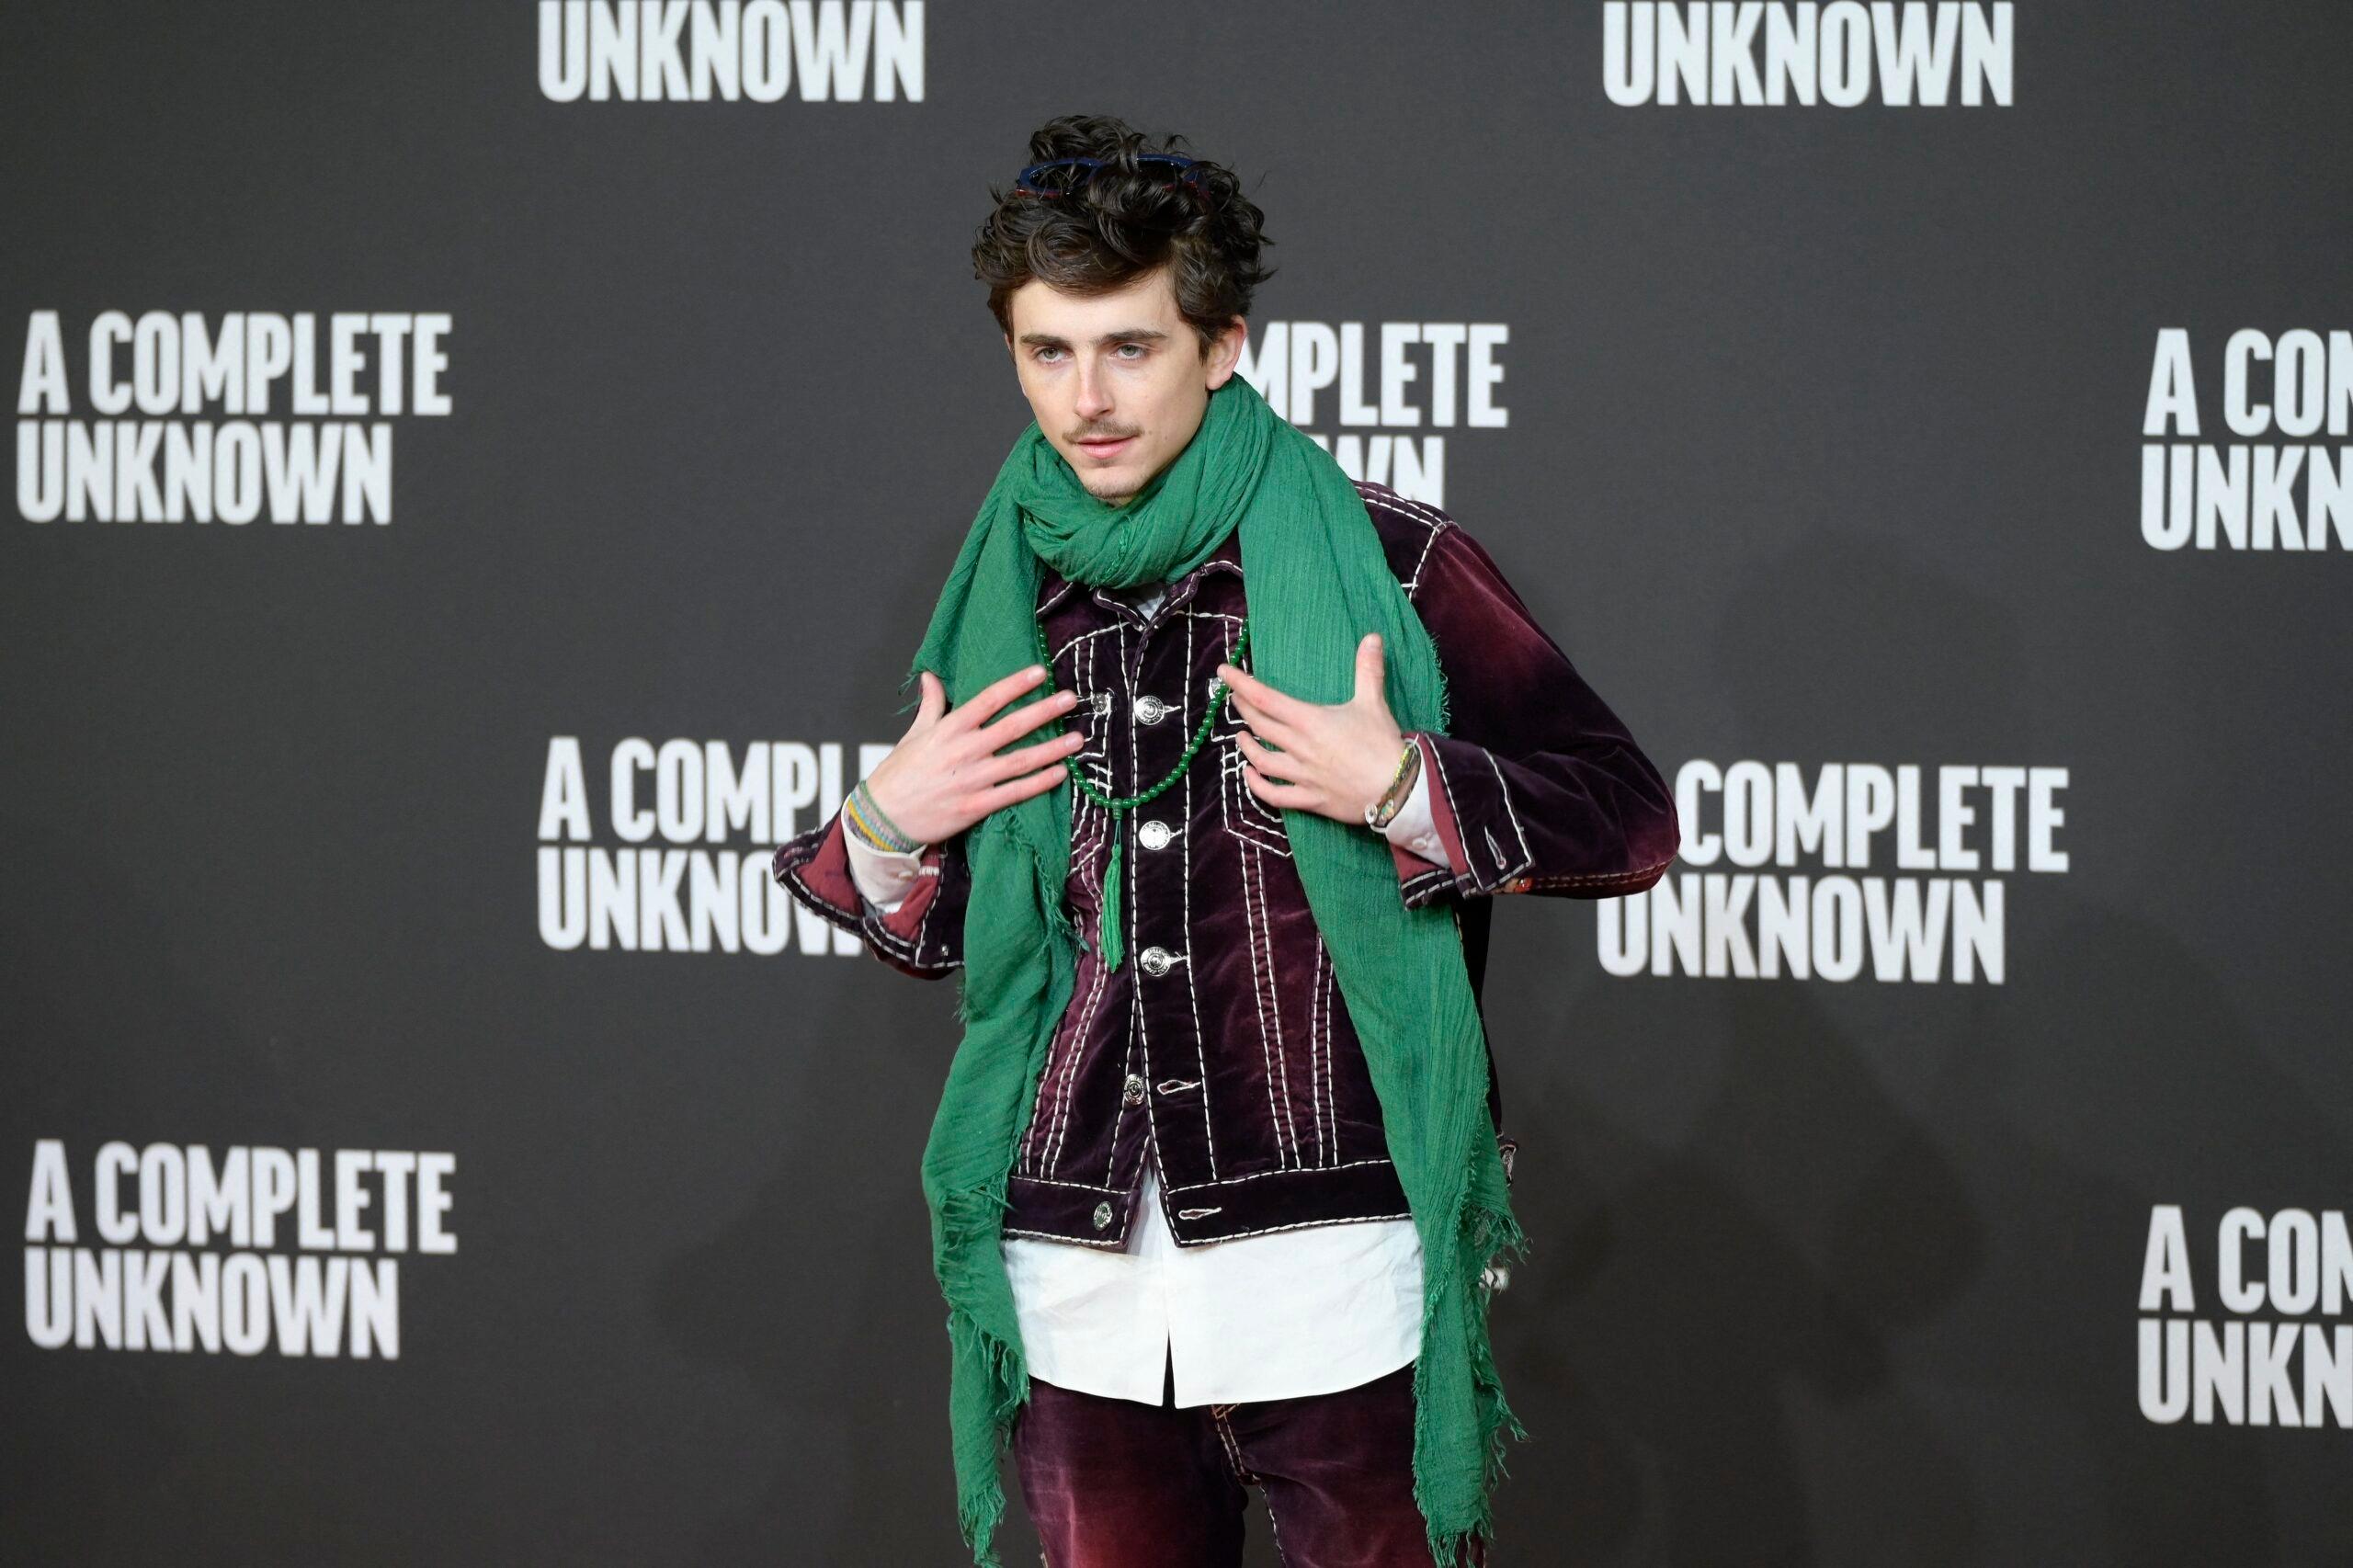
x=944 y=775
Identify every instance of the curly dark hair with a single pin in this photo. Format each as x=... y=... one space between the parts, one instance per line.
x=1121 y=224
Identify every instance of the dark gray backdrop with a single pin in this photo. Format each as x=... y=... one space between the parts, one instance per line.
x=1824 y=446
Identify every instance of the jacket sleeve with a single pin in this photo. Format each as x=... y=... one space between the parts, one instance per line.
x=1538 y=787
x=923 y=935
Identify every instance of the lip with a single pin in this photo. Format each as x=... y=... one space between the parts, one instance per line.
x=1106 y=449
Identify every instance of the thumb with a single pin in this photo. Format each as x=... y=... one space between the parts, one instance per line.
x=935 y=697
x=1368 y=668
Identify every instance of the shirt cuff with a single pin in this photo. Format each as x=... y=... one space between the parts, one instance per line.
x=1413 y=829
x=884 y=877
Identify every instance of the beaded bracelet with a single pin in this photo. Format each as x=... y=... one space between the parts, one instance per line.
x=862 y=814
x=1383 y=812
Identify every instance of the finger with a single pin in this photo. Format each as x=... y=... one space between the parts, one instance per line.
x=1266 y=757
x=1271 y=765
x=1253 y=695
x=1050 y=752
x=979 y=708
x=1368 y=676
x=1277 y=794
x=1012 y=726
x=1270 y=728
x=1015 y=789
x=1250 y=688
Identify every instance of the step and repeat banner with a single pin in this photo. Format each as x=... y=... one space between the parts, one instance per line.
x=480 y=469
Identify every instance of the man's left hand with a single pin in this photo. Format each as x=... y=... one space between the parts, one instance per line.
x=1334 y=759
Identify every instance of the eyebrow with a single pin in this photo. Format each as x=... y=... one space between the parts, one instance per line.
x=1125 y=335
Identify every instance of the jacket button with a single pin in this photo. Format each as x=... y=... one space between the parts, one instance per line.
x=1150 y=710
x=1155 y=834
x=1135 y=1089
x=1154 y=960
x=1102 y=1215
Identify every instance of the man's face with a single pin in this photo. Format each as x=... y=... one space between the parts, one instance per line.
x=1117 y=381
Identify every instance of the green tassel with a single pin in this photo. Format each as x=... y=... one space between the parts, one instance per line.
x=1107 y=929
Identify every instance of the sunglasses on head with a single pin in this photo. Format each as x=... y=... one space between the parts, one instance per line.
x=1060 y=177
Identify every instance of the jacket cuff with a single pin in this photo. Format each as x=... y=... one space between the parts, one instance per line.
x=903 y=931
x=1424 y=864
x=884 y=876
x=816 y=869
x=1476 y=821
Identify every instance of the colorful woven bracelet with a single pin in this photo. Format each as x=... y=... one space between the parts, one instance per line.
x=873 y=825
x=855 y=827
x=855 y=817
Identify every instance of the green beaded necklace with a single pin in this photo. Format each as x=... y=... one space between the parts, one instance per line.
x=1107 y=927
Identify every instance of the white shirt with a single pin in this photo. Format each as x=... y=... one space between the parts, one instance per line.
x=1275 y=1316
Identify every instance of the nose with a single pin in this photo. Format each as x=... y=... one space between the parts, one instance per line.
x=1094 y=391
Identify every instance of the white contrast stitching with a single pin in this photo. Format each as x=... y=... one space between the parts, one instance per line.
x=1315 y=1035
x=1139 y=1037
x=1083 y=681
x=1592 y=878
x=1299 y=1225
x=1082 y=1186
x=1242 y=1473
x=1280 y=1170
x=1503 y=788
x=1052 y=1146
x=1328 y=993
x=1269 y=1038
x=1192 y=991
x=1107 y=1244
x=1083 y=637
x=923 y=926
x=1395 y=500
x=1416 y=512
x=791 y=876
x=1454 y=814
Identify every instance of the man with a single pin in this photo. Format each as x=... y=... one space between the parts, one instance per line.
x=1218 y=760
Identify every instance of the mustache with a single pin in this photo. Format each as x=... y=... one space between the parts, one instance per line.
x=1104 y=435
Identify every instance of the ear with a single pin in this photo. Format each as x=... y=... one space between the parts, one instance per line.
x=1225 y=353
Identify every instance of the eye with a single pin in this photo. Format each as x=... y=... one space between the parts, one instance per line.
x=1137 y=347
x=1041 y=354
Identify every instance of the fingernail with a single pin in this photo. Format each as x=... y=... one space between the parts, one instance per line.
x=1035 y=670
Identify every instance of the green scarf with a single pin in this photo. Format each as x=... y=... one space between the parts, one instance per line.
x=1317 y=581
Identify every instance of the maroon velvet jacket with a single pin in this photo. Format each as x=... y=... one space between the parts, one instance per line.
x=1223 y=1048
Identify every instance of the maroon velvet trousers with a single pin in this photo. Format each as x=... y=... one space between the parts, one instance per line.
x=1117 y=1484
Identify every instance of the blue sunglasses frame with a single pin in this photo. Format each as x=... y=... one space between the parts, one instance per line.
x=1024 y=183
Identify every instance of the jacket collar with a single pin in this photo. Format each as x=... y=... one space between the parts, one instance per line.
x=1226 y=557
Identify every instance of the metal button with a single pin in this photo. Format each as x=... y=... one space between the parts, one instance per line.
x=1135 y=1089
x=1150 y=710
x=1102 y=1215
x=1154 y=960
x=1155 y=834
